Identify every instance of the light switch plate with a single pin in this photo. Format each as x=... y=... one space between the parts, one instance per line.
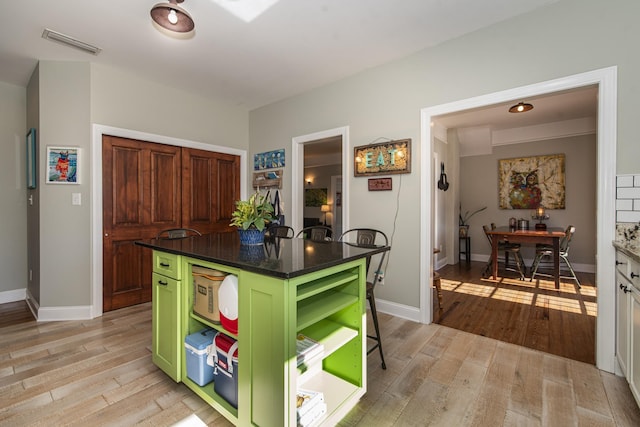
x=76 y=199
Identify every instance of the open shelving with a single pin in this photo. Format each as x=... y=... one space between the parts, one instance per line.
x=326 y=305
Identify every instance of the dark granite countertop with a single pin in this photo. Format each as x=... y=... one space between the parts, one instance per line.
x=284 y=258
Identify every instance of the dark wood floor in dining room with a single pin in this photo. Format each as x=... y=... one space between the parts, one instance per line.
x=531 y=314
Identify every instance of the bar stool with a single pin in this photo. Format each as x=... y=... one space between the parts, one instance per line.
x=366 y=237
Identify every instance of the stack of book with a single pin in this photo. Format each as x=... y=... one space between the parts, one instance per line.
x=310 y=407
x=307 y=349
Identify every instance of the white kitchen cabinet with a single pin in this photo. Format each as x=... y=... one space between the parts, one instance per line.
x=623 y=306
x=634 y=353
x=628 y=317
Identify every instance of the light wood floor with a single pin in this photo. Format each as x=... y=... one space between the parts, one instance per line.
x=532 y=314
x=99 y=372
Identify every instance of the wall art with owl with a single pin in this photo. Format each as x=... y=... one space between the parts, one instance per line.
x=528 y=182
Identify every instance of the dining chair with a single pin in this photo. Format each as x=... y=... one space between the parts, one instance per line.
x=544 y=255
x=282 y=231
x=368 y=237
x=177 y=233
x=317 y=233
x=506 y=249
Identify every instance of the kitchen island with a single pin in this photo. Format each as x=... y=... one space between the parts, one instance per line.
x=286 y=287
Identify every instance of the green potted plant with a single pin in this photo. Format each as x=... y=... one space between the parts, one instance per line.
x=251 y=217
x=463 y=220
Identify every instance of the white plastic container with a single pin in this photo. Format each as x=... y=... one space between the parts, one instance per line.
x=228 y=300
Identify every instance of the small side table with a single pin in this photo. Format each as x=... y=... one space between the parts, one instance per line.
x=465 y=248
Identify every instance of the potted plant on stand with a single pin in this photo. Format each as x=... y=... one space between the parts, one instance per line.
x=251 y=217
x=463 y=221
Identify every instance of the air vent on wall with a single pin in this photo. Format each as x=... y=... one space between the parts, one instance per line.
x=70 y=41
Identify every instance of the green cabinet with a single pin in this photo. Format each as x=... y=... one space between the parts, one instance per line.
x=166 y=310
x=326 y=305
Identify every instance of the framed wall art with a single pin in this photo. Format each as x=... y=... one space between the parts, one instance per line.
x=63 y=165
x=32 y=168
x=315 y=197
x=269 y=160
x=382 y=159
x=380 y=184
x=528 y=182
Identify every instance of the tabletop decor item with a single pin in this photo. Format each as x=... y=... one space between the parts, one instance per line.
x=251 y=217
x=540 y=215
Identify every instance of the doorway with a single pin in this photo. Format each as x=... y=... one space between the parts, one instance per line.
x=605 y=79
x=299 y=147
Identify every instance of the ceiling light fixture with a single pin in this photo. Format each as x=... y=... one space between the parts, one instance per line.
x=172 y=17
x=520 y=107
x=70 y=41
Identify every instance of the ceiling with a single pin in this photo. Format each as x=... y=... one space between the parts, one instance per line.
x=555 y=107
x=291 y=47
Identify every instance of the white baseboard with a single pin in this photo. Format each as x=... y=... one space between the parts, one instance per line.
x=47 y=314
x=32 y=304
x=398 y=310
x=13 y=295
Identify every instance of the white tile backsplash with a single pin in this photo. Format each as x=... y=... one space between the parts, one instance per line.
x=627 y=202
x=628 y=216
x=624 y=205
x=624 y=181
x=628 y=193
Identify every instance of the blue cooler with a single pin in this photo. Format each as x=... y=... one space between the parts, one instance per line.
x=225 y=371
x=196 y=347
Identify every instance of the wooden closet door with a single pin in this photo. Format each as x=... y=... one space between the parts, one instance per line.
x=210 y=187
x=141 y=196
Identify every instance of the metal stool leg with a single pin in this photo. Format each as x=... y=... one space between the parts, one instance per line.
x=374 y=316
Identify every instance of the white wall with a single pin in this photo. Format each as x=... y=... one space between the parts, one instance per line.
x=386 y=102
x=13 y=227
x=127 y=101
x=71 y=97
x=64 y=247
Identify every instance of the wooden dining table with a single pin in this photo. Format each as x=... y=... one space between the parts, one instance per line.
x=551 y=236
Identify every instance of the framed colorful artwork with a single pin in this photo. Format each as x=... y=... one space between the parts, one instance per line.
x=315 y=197
x=269 y=160
x=32 y=175
x=528 y=182
x=63 y=165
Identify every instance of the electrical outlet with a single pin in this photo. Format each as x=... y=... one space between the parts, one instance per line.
x=380 y=277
